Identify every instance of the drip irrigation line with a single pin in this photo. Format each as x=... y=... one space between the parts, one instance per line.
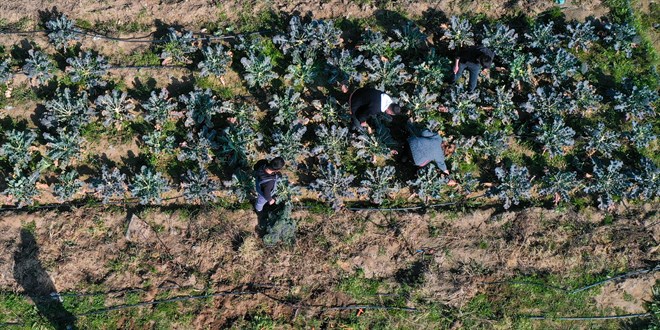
x=528 y=283
x=633 y=273
x=151 y=67
x=155 y=302
x=589 y=318
x=353 y=307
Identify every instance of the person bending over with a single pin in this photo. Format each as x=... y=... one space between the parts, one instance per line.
x=474 y=59
x=428 y=147
x=368 y=102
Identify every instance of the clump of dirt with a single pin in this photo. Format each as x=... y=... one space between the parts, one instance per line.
x=447 y=256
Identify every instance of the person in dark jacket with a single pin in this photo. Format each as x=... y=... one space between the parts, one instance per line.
x=474 y=59
x=267 y=175
x=368 y=102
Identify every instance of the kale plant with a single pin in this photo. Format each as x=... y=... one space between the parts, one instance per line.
x=379 y=184
x=422 y=106
x=238 y=145
x=87 y=70
x=198 y=147
x=559 y=185
x=582 y=36
x=61 y=30
x=288 y=144
x=111 y=184
x=559 y=65
x=16 y=149
x=158 y=143
x=503 y=107
x=637 y=103
x=242 y=185
x=177 y=46
x=387 y=74
x=67 y=111
x=258 y=70
x=543 y=37
x=115 y=108
x=287 y=106
x=302 y=71
x=158 y=107
x=501 y=40
x=333 y=184
x=548 y=102
x=430 y=183
x=63 y=148
x=68 y=186
x=647 y=181
x=286 y=190
x=555 y=136
x=343 y=67
x=492 y=144
x=459 y=33
x=21 y=188
x=282 y=227
x=520 y=69
x=432 y=71
x=586 y=97
x=216 y=60
x=410 y=37
x=462 y=105
x=200 y=106
x=5 y=71
x=333 y=142
x=38 y=66
x=380 y=143
x=622 y=38
x=602 y=140
x=374 y=43
x=149 y=186
x=243 y=113
x=514 y=185
x=315 y=36
x=331 y=111
x=198 y=186
x=609 y=184
x=642 y=134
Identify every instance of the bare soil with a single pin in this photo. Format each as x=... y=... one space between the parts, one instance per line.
x=450 y=255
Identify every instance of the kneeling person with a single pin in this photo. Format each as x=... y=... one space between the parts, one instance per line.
x=369 y=102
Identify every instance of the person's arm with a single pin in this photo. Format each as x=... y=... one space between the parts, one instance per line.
x=456 y=65
x=267 y=189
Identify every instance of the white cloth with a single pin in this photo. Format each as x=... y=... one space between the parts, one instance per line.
x=385 y=102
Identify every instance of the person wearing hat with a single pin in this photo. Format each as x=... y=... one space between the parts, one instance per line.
x=368 y=102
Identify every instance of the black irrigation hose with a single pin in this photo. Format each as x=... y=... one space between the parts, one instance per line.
x=589 y=318
x=364 y=307
x=584 y=288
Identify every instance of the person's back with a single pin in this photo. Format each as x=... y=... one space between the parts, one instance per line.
x=426 y=148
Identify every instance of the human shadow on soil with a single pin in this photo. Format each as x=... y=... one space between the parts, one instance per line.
x=37 y=284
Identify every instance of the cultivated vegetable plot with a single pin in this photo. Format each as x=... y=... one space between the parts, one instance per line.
x=557 y=123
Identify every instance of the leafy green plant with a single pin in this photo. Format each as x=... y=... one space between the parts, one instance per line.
x=5 y=71
x=21 y=188
x=115 y=108
x=586 y=97
x=430 y=183
x=378 y=184
x=559 y=185
x=87 y=70
x=410 y=37
x=67 y=111
x=200 y=107
x=642 y=134
x=501 y=40
x=343 y=67
x=333 y=185
x=287 y=106
x=302 y=37
x=503 y=107
x=258 y=70
x=198 y=147
x=422 y=105
x=558 y=65
x=303 y=70
x=242 y=185
x=238 y=145
x=377 y=144
x=158 y=142
x=288 y=143
x=609 y=183
x=177 y=46
x=621 y=37
x=16 y=149
x=582 y=36
x=548 y=102
x=387 y=74
x=432 y=71
x=38 y=66
x=521 y=69
x=462 y=105
x=542 y=36
x=637 y=103
x=514 y=185
x=110 y=184
x=64 y=147
x=216 y=60
x=603 y=140
x=68 y=186
x=149 y=186
x=61 y=31
x=199 y=187
x=283 y=227
x=376 y=44
x=158 y=107
x=555 y=135
x=459 y=33
x=333 y=142
x=492 y=144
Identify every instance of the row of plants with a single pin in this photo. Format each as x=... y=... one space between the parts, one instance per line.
x=555 y=121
